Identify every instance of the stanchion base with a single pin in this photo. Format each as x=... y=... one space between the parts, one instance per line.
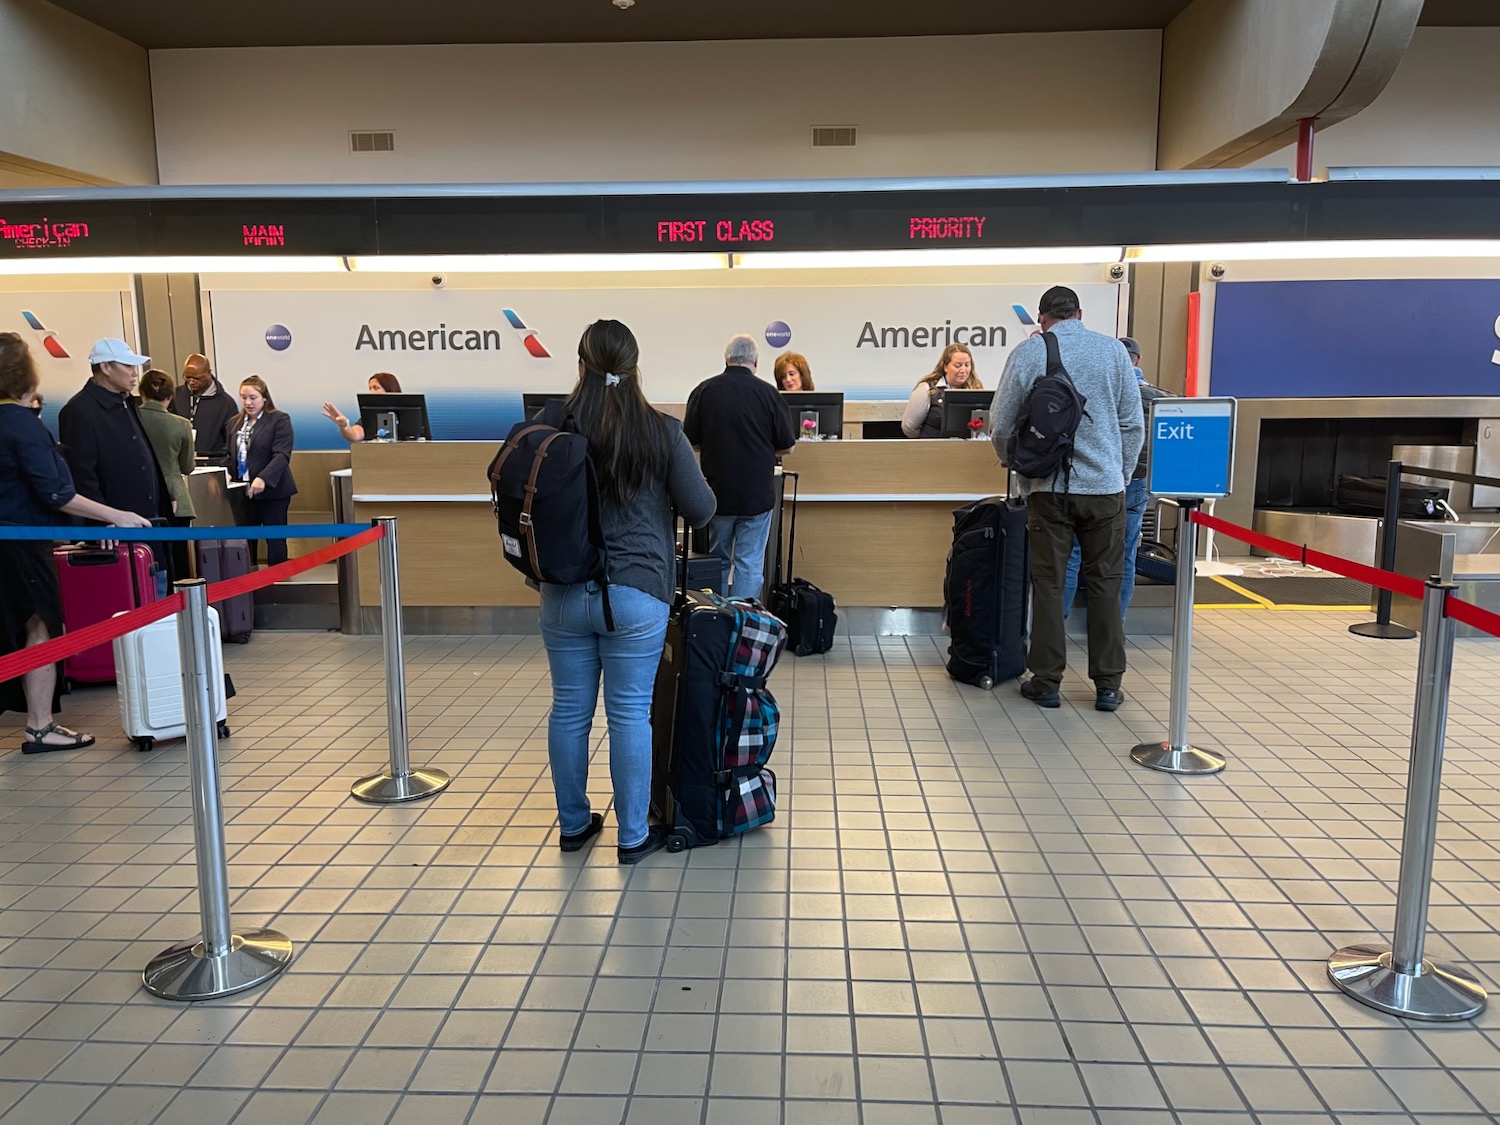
x=389 y=789
x=1389 y=631
x=1167 y=758
x=1440 y=992
x=184 y=972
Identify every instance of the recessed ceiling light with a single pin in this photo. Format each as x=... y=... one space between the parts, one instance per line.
x=623 y=4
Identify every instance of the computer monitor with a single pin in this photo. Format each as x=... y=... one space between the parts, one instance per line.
x=533 y=402
x=828 y=405
x=410 y=412
x=959 y=411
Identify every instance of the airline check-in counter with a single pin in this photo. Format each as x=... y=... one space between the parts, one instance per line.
x=874 y=526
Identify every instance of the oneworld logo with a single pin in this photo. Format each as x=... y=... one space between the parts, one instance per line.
x=778 y=333
x=278 y=337
x=49 y=339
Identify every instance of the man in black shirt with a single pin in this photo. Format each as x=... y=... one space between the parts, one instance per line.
x=204 y=402
x=740 y=424
x=103 y=441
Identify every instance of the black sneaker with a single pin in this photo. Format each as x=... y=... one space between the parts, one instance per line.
x=574 y=843
x=1108 y=699
x=1040 y=696
x=655 y=840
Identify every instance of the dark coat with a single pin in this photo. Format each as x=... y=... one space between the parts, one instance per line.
x=270 y=454
x=109 y=454
x=209 y=417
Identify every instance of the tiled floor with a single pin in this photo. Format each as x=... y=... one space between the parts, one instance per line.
x=968 y=910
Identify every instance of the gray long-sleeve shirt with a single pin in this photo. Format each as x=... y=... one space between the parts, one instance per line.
x=1110 y=437
x=640 y=538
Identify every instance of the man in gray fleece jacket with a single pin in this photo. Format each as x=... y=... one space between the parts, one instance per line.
x=1105 y=449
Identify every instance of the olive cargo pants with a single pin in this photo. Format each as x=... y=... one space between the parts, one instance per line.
x=1098 y=523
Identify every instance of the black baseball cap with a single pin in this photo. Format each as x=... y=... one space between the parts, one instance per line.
x=1131 y=346
x=1059 y=301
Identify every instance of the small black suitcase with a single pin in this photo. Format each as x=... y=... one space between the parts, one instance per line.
x=985 y=592
x=229 y=558
x=810 y=613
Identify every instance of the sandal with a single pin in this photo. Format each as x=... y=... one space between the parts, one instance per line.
x=34 y=743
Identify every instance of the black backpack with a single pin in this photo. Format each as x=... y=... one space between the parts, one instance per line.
x=546 y=499
x=1041 y=444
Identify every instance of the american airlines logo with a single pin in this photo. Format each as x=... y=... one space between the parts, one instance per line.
x=529 y=338
x=445 y=339
x=49 y=339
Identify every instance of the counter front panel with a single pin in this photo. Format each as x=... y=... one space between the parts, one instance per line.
x=873 y=528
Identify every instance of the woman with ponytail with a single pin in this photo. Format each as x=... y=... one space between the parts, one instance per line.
x=646 y=469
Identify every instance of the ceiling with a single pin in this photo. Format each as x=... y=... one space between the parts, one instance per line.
x=220 y=23
x=283 y=23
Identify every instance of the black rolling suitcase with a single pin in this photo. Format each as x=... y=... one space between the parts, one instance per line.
x=985 y=592
x=810 y=614
x=713 y=723
x=229 y=558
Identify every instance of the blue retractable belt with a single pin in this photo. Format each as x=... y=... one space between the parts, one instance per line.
x=64 y=534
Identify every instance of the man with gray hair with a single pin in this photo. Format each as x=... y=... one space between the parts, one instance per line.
x=740 y=424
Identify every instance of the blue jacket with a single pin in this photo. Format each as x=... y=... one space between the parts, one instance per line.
x=34 y=478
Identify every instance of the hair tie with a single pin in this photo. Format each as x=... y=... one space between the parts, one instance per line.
x=611 y=379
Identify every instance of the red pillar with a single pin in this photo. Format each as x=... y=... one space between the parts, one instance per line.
x=1305 y=128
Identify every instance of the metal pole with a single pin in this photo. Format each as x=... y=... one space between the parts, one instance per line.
x=1176 y=755
x=223 y=962
x=1390 y=524
x=1398 y=979
x=400 y=782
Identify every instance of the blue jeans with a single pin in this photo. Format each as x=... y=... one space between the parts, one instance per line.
x=579 y=647
x=741 y=542
x=1135 y=511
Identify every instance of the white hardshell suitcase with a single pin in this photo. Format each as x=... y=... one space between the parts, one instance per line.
x=148 y=665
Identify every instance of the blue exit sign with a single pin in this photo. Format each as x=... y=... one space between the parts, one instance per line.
x=1190 y=447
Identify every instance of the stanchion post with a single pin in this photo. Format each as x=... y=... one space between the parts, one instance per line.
x=1176 y=755
x=1382 y=627
x=224 y=962
x=400 y=782
x=1398 y=979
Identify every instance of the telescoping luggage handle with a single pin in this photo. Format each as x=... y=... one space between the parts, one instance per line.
x=791 y=542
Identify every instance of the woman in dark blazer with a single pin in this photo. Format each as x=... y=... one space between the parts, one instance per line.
x=260 y=453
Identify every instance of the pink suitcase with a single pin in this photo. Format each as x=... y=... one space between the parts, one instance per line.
x=97 y=584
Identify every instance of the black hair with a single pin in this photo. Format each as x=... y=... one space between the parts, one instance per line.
x=156 y=386
x=627 y=436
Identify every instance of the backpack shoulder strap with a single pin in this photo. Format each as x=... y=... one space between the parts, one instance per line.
x=1054 y=358
x=510 y=447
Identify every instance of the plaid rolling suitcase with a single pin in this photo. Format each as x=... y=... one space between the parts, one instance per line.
x=713 y=722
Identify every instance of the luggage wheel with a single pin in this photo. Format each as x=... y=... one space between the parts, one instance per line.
x=986 y=683
x=240 y=638
x=677 y=842
x=143 y=744
x=223 y=730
